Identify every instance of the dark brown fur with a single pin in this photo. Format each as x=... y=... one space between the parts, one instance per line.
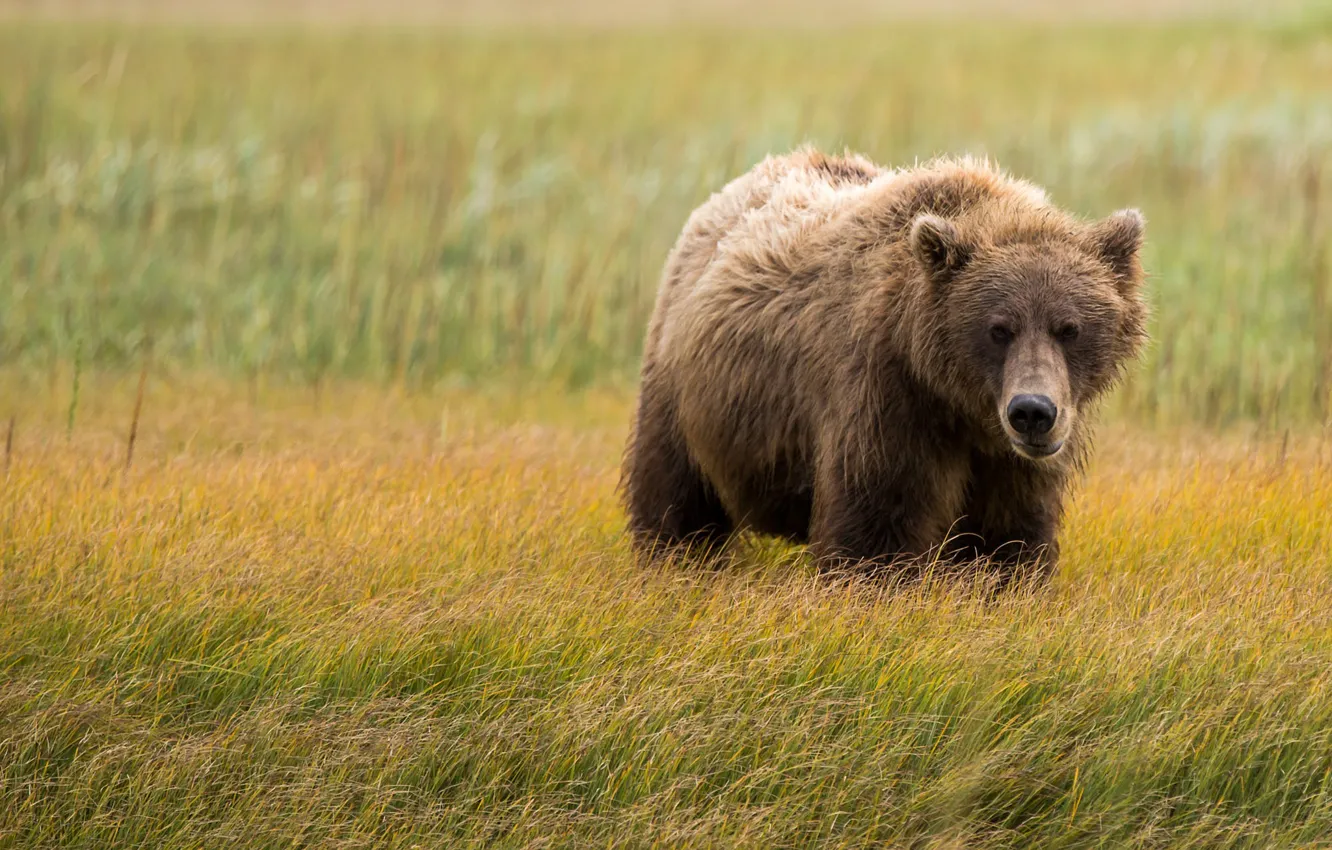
x=833 y=348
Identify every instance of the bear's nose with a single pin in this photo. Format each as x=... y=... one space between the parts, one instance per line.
x=1032 y=415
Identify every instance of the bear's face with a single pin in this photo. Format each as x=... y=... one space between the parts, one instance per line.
x=1032 y=329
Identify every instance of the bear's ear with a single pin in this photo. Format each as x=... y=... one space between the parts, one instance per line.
x=938 y=247
x=1117 y=240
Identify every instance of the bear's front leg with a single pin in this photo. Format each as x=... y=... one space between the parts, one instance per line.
x=672 y=509
x=889 y=512
x=1011 y=516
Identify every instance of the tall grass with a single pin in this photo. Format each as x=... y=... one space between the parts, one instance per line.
x=286 y=561
x=435 y=207
x=380 y=628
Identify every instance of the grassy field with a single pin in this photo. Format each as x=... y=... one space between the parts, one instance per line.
x=363 y=581
x=423 y=208
x=392 y=626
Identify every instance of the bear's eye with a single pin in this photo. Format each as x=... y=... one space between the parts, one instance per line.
x=1001 y=335
x=1067 y=333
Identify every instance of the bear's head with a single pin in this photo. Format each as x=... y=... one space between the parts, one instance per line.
x=1032 y=317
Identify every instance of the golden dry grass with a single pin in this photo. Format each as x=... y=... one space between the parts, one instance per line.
x=414 y=621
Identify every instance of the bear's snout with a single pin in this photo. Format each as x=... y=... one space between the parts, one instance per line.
x=1032 y=415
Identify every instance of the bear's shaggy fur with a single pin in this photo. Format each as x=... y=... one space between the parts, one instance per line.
x=840 y=354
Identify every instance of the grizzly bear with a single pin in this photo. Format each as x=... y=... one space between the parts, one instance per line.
x=891 y=365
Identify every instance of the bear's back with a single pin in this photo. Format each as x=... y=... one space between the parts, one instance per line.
x=787 y=198
x=793 y=217
x=761 y=211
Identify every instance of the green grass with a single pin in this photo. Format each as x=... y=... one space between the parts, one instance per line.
x=430 y=207
x=396 y=627
x=365 y=582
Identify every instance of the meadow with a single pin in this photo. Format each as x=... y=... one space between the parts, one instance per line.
x=370 y=303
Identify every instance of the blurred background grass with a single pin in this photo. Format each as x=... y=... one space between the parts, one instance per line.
x=420 y=205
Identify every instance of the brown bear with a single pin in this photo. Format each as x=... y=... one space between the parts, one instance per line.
x=890 y=365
